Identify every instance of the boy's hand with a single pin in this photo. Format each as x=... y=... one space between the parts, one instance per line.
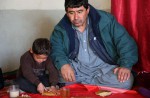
x=40 y=88
x=53 y=89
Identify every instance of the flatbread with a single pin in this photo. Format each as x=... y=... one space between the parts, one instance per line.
x=103 y=93
x=50 y=93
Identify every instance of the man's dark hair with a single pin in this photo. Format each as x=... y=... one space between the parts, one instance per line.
x=76 y=4
x=41 y=46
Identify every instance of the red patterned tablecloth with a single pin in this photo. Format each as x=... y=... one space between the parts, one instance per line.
x=88 y=91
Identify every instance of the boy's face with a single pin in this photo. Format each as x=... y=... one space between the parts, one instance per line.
x=40 y=58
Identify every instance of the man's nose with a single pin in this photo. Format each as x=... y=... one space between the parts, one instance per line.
x=76 y=16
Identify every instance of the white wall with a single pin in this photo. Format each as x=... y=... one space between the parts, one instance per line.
x=22 y=21
x=46 y=4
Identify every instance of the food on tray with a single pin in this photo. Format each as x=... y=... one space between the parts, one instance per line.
x=24 y=96
x=103 y=93
x=50 y=93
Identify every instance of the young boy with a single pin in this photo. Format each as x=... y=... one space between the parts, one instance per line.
x=32 y=76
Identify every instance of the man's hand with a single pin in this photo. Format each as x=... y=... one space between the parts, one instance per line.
x=40 y=88
x=68 y=73
x=123 y=73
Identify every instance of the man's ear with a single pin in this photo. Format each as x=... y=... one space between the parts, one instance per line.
x=31 y=51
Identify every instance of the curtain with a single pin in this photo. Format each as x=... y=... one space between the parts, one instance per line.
x=134 y=15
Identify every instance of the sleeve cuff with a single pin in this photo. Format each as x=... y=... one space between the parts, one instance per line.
x=37 y=82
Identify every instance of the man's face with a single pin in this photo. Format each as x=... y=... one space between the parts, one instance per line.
x=77 y=16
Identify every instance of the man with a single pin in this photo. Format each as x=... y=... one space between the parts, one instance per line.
x=91 y=47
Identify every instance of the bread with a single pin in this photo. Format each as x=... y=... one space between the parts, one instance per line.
x=103 y=93
x=49 y=93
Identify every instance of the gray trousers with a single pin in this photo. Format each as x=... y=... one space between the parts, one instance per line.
x=102 y=76
x=110 y=79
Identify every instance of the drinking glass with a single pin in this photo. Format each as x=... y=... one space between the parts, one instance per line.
x=14 y=91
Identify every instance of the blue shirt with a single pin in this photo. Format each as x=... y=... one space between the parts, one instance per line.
x=87 y=64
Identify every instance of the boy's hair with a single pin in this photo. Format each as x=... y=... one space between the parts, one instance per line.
x=41 y=46
x=76 y=4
